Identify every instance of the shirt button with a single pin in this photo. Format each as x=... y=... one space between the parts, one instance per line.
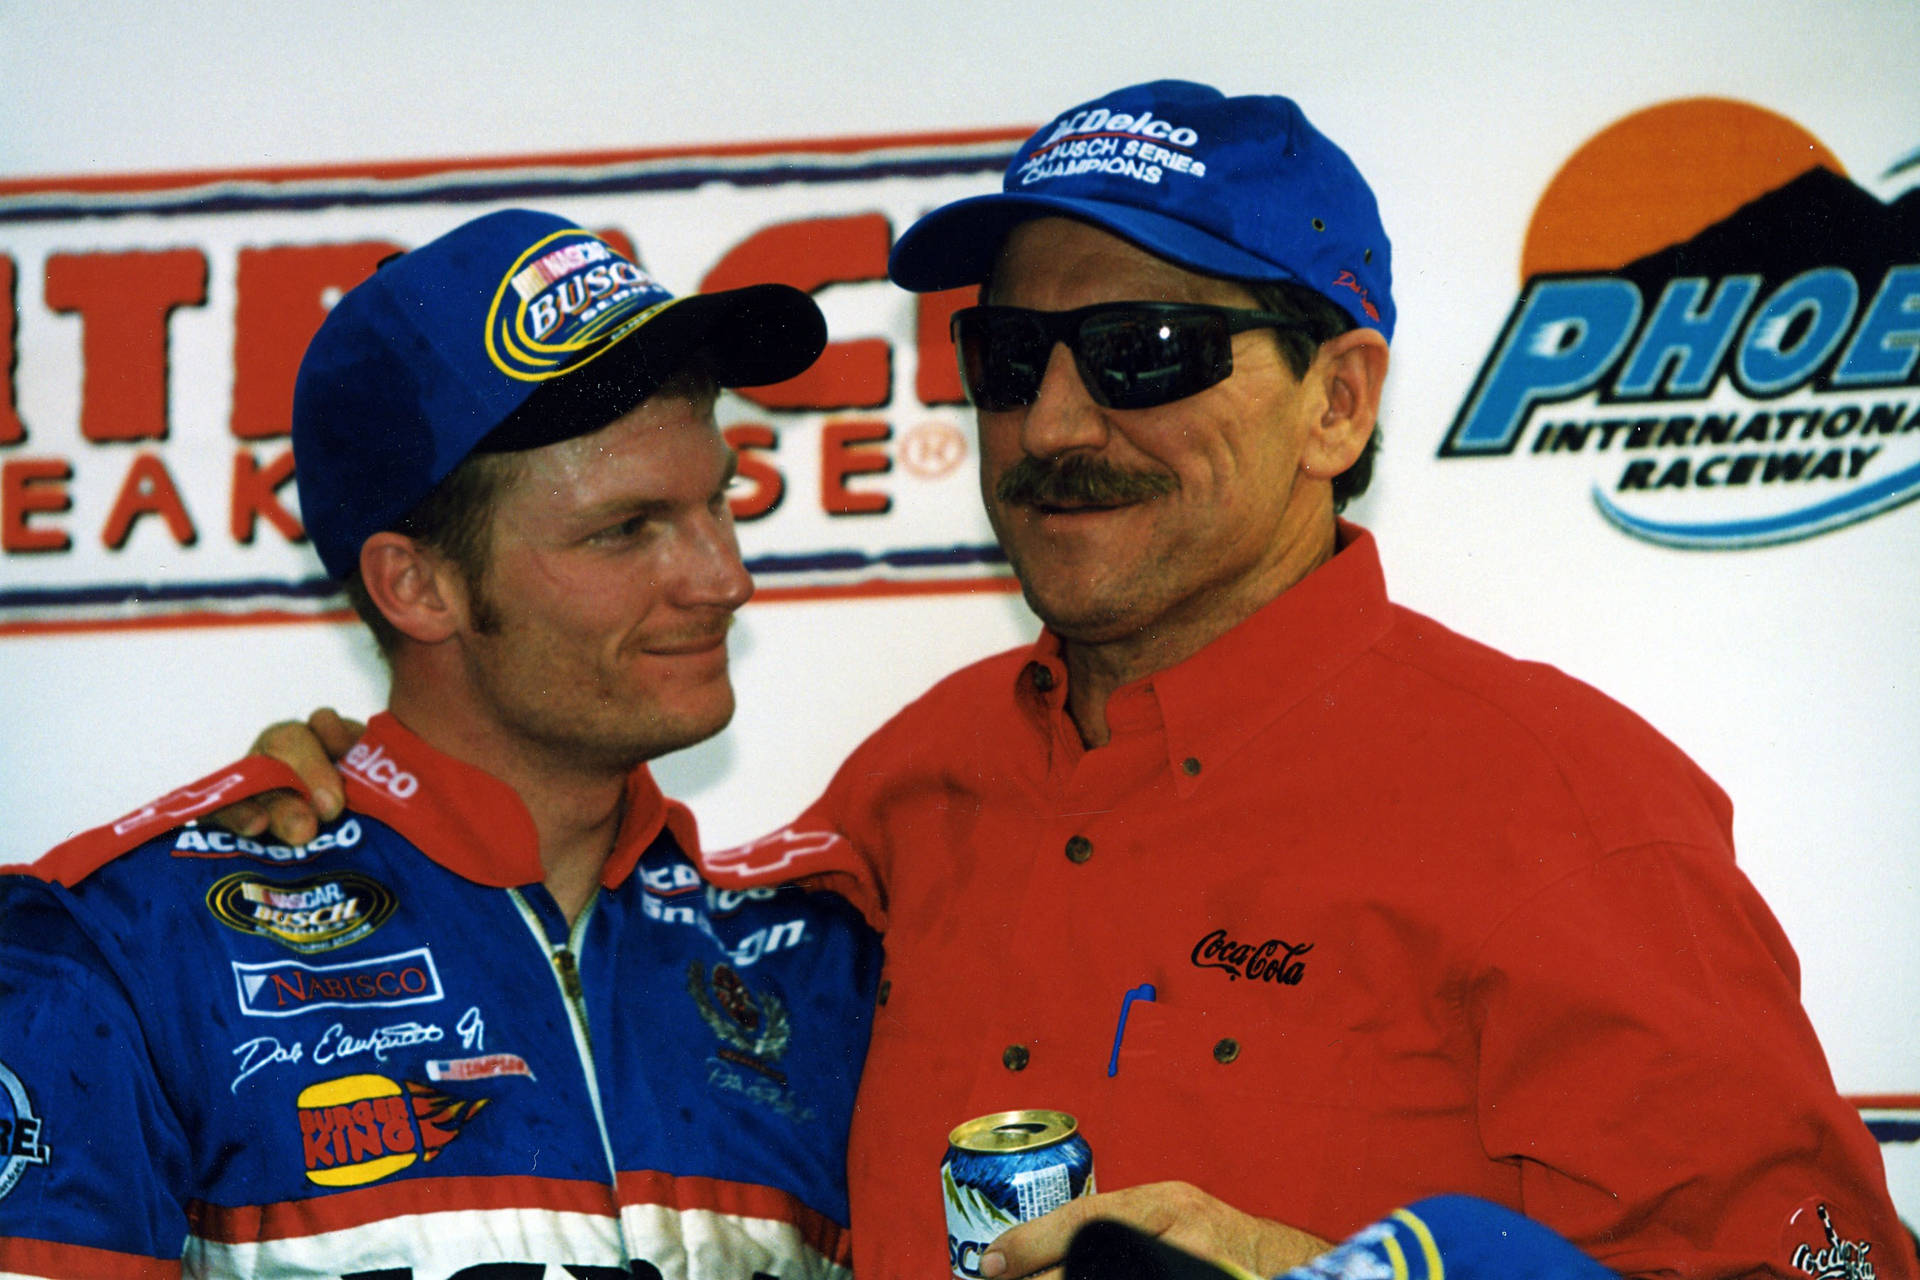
x=1227 y=1050
x=1079 y=849
x=1015 y=1058
x=1191 y=766
x=1042 y=678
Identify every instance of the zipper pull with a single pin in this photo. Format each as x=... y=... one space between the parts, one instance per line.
x=569 y=974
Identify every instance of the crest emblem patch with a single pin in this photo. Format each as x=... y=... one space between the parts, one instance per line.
x=753 y=1028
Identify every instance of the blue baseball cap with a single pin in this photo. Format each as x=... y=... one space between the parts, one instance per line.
x=515 y=330
x=1242 y=187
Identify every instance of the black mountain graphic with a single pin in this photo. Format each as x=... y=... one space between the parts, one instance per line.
x=1819 y=219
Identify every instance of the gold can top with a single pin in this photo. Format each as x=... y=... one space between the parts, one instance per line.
x=1005 y=1131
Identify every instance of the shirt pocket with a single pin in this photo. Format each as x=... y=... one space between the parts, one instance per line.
x=1270 y=1116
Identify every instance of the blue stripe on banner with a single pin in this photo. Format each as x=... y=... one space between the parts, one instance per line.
x=841 y=561
x=1895 y=1130
x=147 y=593
x=251 y=195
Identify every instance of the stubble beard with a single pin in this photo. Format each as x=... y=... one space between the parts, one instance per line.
x=581 y=721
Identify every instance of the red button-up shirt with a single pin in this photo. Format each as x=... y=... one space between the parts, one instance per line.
x=1417 y=918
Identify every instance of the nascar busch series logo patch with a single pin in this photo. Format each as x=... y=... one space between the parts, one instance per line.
x=21 y=1143
x=1717 y=333
x=316 y=914
x=563 y=302
x=754 y=1029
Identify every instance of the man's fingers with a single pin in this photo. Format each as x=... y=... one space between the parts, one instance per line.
x=283 y=816
x=290 y=818
x=337 y=734
x=1177 y=1212
x=1035 y=1246
x=302 y=748
x=243 y=817
x=308 y=749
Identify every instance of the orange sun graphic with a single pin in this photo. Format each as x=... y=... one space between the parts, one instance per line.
x=1661 y=176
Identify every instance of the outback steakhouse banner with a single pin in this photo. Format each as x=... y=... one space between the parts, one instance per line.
x=150 y=330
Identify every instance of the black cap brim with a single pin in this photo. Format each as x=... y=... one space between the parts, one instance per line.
x=1107 y=1250
x=745 y=337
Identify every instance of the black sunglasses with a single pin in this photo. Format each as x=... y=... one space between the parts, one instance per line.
x=1131 y=355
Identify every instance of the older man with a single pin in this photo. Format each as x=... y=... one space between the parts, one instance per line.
x=487 y=1021
x=1290 y=895
x=1304 y=905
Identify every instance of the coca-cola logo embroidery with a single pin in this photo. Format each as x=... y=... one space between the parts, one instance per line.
x=1819 y=1250
x=1273 y=960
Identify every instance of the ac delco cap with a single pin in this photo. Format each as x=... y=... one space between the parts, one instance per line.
x=515 y=330
x=1239 y=187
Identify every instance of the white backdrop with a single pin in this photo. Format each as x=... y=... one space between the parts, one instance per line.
x=1787 y=670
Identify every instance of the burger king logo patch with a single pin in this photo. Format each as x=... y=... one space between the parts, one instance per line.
x=360 y=1129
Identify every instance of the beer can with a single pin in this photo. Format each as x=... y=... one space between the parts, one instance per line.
x=1007 y=1168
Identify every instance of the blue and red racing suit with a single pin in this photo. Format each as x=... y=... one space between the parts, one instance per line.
x=385 y=1054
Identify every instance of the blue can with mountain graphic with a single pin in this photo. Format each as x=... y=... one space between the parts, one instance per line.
x=1007 y=1168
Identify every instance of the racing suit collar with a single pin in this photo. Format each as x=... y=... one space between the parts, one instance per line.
x=475 y=825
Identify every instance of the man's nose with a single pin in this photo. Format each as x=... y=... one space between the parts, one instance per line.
x=714 y=574
x=1062 y=417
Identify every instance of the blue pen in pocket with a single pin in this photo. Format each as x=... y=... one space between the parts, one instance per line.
x=1144 y=991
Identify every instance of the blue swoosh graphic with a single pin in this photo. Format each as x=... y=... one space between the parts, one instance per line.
x=1883 y=494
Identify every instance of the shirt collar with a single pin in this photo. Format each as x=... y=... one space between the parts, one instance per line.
x=475 y=825
x=1211 y=704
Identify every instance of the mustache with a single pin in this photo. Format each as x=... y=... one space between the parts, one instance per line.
x=1076 y=479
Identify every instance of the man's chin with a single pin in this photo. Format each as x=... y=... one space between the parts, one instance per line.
x=1074 y=613
x=661 y=733
x=680 y=733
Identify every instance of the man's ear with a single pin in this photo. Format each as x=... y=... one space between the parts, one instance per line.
x=1353 y=366
x=416 y=588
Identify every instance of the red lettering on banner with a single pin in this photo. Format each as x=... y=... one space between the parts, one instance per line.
x=618 y=239
x=937 y=379
x=810 y=254
x=284 y=292
x=768 y=486
x=12 y=430
x=846 y=450
x=30 y=486
x=256 y=492
x=124 y=301
x=147 y=490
